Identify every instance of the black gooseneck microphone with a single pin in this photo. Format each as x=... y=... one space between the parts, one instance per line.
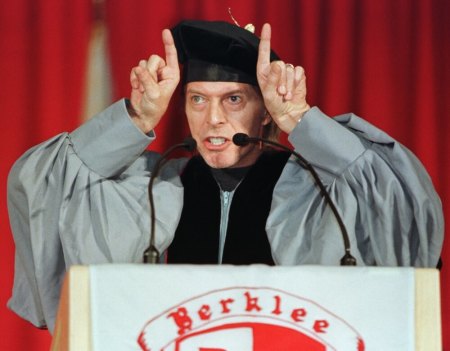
x=151 y=254
x=242 y=139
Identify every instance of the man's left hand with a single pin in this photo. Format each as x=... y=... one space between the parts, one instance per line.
x=282 y=85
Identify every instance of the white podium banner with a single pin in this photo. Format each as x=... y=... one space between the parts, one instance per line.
x=257 y=308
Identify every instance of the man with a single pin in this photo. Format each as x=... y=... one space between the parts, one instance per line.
x=80 y=198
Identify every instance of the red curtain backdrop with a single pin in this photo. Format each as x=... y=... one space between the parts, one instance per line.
x=387 y=61
x=43 y=46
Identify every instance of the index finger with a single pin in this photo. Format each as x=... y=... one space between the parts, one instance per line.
x=170 y=49
x=264 y=46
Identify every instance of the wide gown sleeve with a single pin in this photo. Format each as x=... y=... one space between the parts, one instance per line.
x=385 y=197
x=80 y=198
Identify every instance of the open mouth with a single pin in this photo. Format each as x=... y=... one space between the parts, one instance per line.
x=216 y=141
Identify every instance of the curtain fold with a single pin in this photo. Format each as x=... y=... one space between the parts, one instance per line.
x=387 y=61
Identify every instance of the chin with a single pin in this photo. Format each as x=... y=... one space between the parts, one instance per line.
x=217 y=161
x=230 y=160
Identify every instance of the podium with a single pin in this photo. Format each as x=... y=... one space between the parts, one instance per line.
x=227 y=308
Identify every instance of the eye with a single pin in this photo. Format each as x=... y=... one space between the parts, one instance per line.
x=197 y=99
x=234 y=99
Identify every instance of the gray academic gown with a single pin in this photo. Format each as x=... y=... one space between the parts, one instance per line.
x=81 y=198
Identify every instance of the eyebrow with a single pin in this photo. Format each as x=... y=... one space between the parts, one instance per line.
x=231 y=92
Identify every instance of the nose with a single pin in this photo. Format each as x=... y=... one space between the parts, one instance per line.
x=216 y=115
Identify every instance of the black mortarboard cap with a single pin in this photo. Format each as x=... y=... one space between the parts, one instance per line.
x=217 y=51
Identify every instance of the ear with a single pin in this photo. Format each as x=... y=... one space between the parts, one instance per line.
x=266 y=119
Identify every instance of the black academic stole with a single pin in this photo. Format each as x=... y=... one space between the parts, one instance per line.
x=196 y=239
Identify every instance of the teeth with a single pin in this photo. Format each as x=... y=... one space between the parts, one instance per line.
x=217 y=141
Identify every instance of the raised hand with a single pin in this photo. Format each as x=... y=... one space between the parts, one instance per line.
x=152 y=85
x=282 y=85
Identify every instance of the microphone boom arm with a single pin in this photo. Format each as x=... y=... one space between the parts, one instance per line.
x=347 y=259
x=151 y=254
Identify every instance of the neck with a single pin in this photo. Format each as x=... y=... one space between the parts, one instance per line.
x=229 y=178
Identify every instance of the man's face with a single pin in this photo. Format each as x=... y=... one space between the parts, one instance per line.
x=218 y=110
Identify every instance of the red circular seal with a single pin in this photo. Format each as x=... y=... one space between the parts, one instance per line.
x=248 y=318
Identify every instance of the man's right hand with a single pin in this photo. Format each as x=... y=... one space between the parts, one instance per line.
x=152 y=85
